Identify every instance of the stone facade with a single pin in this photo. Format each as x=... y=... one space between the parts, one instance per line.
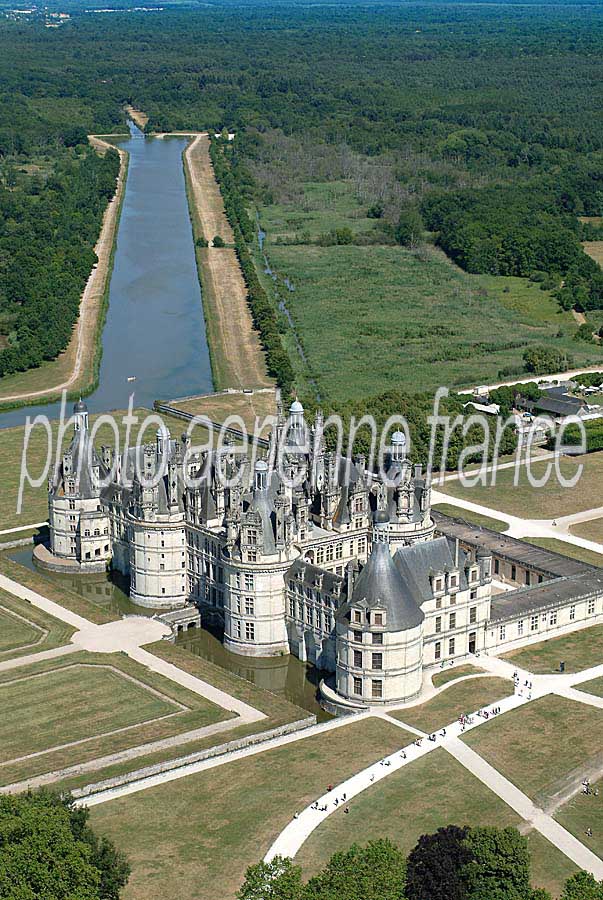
x=315 y=556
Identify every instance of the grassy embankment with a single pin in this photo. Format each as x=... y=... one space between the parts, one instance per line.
x=25 y=629
x=61 y=370
x=376 y=317
x=236 y=356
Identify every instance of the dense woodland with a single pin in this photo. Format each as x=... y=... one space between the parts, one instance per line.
x=478 y=122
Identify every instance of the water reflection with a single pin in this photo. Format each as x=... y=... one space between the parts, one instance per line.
x=285 y=675
x=110 y=591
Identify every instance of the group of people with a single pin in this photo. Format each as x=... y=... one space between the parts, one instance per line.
x=433 y=736
x=519 y=688
x=587 y=790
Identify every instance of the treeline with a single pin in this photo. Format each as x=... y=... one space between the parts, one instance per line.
x=48 y=230
x=262 y=309
x=525 y=230
x=454 y=863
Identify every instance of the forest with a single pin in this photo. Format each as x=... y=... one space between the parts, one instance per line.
x=479 y=122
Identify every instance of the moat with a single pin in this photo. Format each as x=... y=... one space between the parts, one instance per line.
x=155 y=329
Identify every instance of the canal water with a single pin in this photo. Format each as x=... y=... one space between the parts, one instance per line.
x=155 y=330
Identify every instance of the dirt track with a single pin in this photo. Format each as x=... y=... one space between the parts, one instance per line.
x=237 y=357
x=82 y=347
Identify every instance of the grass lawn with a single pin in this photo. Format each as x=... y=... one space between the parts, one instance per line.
x=35 y=500
x=538 y=503
x=201 y=832
x=277 y=709
x=541 y=746
x=585 y=811
x=24 y=629
x=432 y=323
x=465 y=697
x=595 y=686
x=86 y=697
x=587 y=556
x=425 y=795
x=579 y=650
x=446 y=675
x=468 y=516
x=37 y=581
x=592 y=531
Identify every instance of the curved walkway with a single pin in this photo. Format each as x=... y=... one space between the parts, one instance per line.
x=301 y=827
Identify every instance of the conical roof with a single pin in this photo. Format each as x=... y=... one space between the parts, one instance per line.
x=381 y=586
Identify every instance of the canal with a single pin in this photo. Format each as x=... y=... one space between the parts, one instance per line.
x=155 y=330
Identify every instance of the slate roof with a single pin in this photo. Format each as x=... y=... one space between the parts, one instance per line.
x=548 y=595
x=418 y=562
x=380 y=585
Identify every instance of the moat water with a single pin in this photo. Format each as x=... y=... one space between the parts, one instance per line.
x=155 y=329
x=286 y=675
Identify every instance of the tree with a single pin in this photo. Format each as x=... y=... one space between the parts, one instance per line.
x=409 y=229
x=582 y=886
x=218 y=241
x=276 y=880
x=48 y=850
x=374 y=872
x=500 y=864
x=436 y=866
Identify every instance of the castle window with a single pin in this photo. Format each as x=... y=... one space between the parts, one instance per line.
x=377 y=661
x=591 y=607
x=250 y=631
x=87 y=532
x=320 y=554
x=520 y=627
x=527 y=578
x=496 y=567
x=237 y=628
x=473 y=595
x=358 y=637
x=329 y=555
x=438 y=650
x=452 y=622
x=309 y=615
x=161 y=567
x=540 y=579
x=377 y=638
x=249 y=581
x=453 y=581
x=553 y=619
x=533 y=623
x=472 y=615
x=378 y=618
x=357 y=616
x=438 y=624
x=377 y=689
x=249 y=606
x=513 y=573
x=252 y=556
x=451 y=647
x=474 y=574
x=572 y=613
x=452 y=599
x=339 y=551
x=361 y=546
x=72 y=504
x=439 y=603
x=252 y=536
x=438 y=584
x=357 y=659
x=292 y=607
x=501 y=633
x=358 y=687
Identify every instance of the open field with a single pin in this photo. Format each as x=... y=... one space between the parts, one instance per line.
x=218 y=407
x=26 y=629
x=449 y=674
x=474 y=518
x=522 y=499
x=541 y=747
x=559 y=546
x=579 y=650
x=465 y=697
x=592 y=531
x=277 y=709
x=237 y=358
x=432 y=324
x=423 y=796
x=594 y=250
x=35 y=500
x=113 y=703
x=207 y=828
x=76 y=368
x=592 y=687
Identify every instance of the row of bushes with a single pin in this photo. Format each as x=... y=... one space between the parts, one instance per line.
x=573 y=436
x=262 y=309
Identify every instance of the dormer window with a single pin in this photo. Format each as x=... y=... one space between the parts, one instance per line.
x=474 y=574
x=454 y=581
x=357 y=616
x=377 y=618
x=252 y=536
x=439 y=584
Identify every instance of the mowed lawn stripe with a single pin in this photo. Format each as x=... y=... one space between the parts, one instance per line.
x=69 y=704
x=14 y=632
